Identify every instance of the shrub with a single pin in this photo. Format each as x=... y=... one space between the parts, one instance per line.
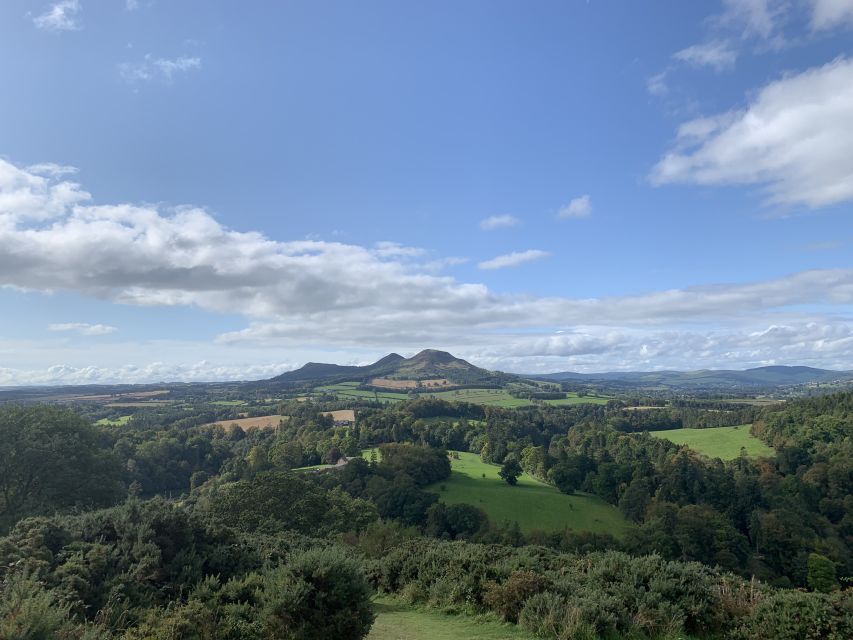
x=795 y=615
x=318 y=594
x=508 y=598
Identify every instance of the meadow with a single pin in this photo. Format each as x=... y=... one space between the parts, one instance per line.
x=350 y=390
x=491 y=397
x=114 y=422
x=260 y=422
x=531 y=503
x=396 y=620
x=718 y=442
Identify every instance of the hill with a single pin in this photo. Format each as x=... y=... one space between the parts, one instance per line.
x=756 y=378
x=426 y=365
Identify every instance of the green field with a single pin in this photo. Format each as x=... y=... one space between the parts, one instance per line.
x=229 y=403
x=720 y=442
x=396 y=620
x=349 y=390
x=573 y=398
x=116 y=422
x=531 y=503
x=492 y=397
x=502 y=398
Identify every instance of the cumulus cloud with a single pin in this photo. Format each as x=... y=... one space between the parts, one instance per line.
x=514 y=259
x=83 y=328
x=716 y=54
x=54 y=237
x=61 y=16
x=498 y=222
x=578 y=208
x=201 y=371
x=794 y=138
x=161 y=69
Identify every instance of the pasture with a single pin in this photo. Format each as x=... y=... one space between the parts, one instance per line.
x=531 y=503
x=719 y=442
x=396 y=620
x=491 y=397
x=114 y=422
x=258 y=422
x=390 y=383
x=502 y=398
x=349 y=390
x=345 y=415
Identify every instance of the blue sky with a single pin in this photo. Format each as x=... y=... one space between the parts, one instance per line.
x=205 y=190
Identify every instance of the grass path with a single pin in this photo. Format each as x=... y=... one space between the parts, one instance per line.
x=396 y=620
x=531 y=503
x=719 y=442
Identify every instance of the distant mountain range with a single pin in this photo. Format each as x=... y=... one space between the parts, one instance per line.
x=431 y=363
x=426 y=365
x=759 y=377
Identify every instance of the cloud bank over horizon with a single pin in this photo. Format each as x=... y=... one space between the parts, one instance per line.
x=306 y=296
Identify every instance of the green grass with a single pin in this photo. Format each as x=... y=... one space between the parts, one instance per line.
x=229 y=403
x=348 y=390
x=396 y=620
x=116 y=422
x=531 y=503
x=719 y=442
x=573 y=398
x=492 y=397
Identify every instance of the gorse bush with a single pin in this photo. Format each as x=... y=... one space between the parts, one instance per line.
x=604 y=594
x=795 y=615
x=317 y=594
x=150 y=570
x=508 y=598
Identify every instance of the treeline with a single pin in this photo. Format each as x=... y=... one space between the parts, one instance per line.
x=679 y=417
x=172 y=571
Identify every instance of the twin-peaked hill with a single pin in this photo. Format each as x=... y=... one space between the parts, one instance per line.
x=429 y=364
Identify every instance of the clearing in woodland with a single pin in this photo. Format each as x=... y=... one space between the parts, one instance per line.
x=719 y=442
x=531 y=503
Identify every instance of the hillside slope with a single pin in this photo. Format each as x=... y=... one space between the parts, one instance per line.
x=429 y=363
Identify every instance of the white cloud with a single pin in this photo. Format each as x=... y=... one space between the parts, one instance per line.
x=131 y=5
x=387 y=249
x=61 y=16
x=83 y=328
x=514 y=259
x=657 y=85
x=794 y=138
x=760 y=18
x=313 y=296
x=201 y=371
x=51 y=169
x=828 y=14
x=162 y=69
x=34 y=194
x=716 y=54
x=498 y=222
x=578 y=208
